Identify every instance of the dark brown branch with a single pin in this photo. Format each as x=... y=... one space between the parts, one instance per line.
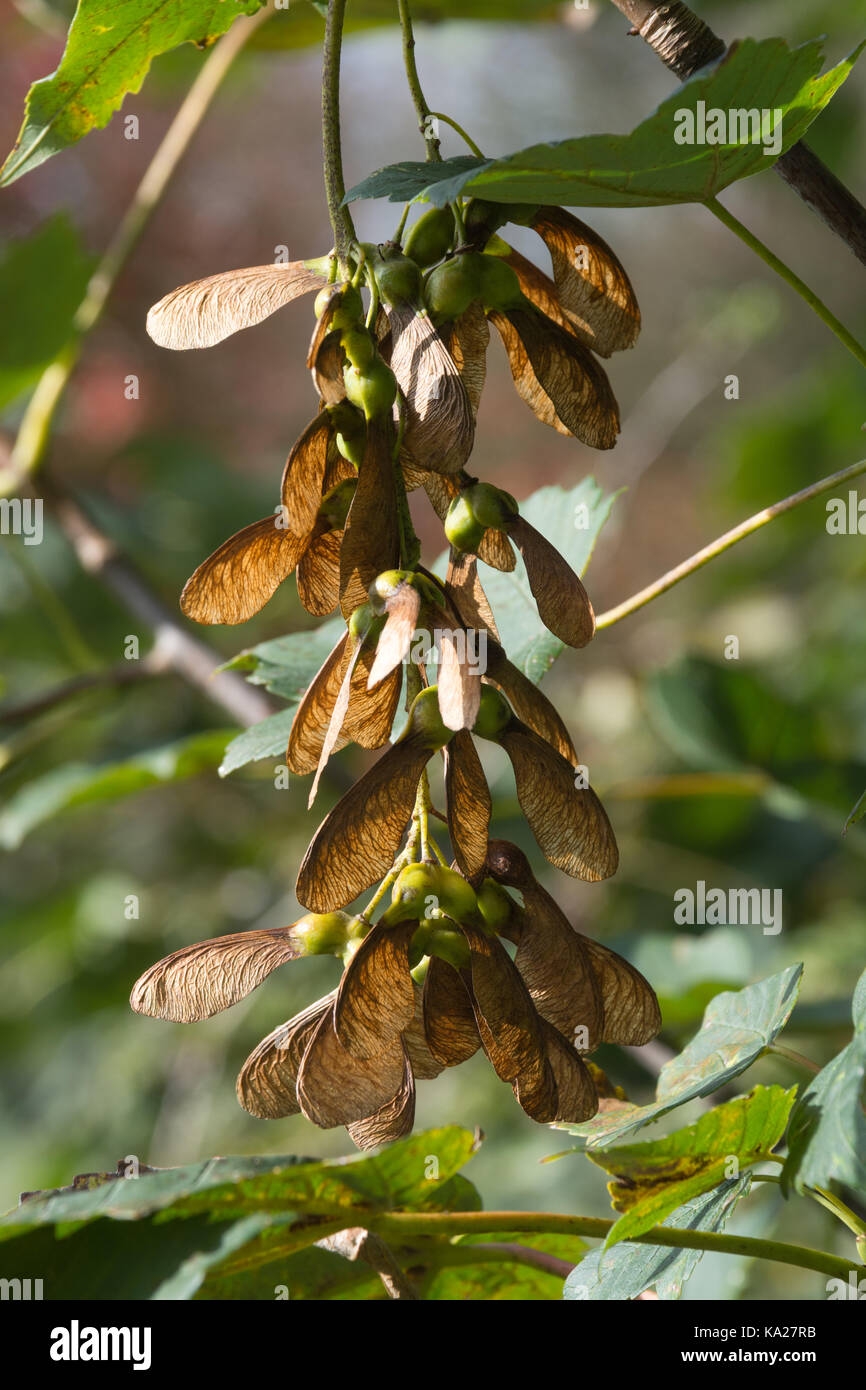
x=685 y=43
x=183 y=653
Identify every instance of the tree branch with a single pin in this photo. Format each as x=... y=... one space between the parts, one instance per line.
x=335 y=187
x=685 y=43
x=193 y=660
x=724 y=542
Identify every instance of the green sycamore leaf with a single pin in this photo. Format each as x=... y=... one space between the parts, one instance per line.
x=42 y=282
x=646 y=168
x=285 y=666
x=243 y=1218
x=651 y=1180
x=827 y=1137
x=624 y=1271
x=571 y=519
x=85 y=784
x=401 y=1176
x=109 y=50
x=737 y=1028
x=495 y=1278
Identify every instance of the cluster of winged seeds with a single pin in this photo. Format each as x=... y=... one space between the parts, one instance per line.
x=426 y=977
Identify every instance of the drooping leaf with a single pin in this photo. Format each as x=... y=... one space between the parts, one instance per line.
x=109 y=50
x=80 y=784
x=736 y=1029
x=651 y=1180
x=627 y=1270
x=827 y=1137
x=646 y=168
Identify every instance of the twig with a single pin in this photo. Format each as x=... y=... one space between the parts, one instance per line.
x=399 y=1226
x=723 y=543
x=192 y=659
x=126 y=673
x=335 y=187
x=34 y=434
x=525 y=1255
x=769 y=258
x=685 y=43
x=425 y=123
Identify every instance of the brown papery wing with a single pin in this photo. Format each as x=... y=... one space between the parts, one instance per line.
x=395 y=639
x=469 y=805
x=590 y=280
x=304 y=476
x=541 y=291
x=392 y=1120
x=356 y=843
x=424 y=1065
x=459 y=681
x=313 y=713
x=463 y=588
x=267 y=1084
x=507 y=1021
x=563 y=603
x=528 y=702
x=239 y=578
x=449 y=1018
x=318 y=574
x=576 y=1095
x=559 y=378
x=569 y=822
x=440 y=423
x=376 y=998
x=199 y=981
x=207 y=311
x=467 y=339
x=556 y=969
x=371 y=540
x=631 y=1010
x=335 y=1088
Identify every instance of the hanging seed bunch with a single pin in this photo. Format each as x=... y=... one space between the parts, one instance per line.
x=427 y=979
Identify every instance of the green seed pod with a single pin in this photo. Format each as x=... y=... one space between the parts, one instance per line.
x=422 y=889
x=349 y=310
x=364 y=625
x=450 y=945
x=359 y=347
x=480 y=217
x=500 y=287
x=464 y=531
x=494 y=714
x=398 y=277
x=490 y=506
x=419 y=946
x=431 y=237
x=322 y=934
x=426 y=721
x=495 y=905
x=336 y=503
x=385 y=586
x=351 y=447
x=452 y=287
x=373 y=390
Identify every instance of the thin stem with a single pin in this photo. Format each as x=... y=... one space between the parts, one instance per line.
x=399 y=1226
x=421 y=814
x=425 y=115
x=34 y=433
x=127 y=673
x=455 y=125
x=796 y=1057
x=335 y=188
x=773 y=261
x=723 y=543
x=837 y=1208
